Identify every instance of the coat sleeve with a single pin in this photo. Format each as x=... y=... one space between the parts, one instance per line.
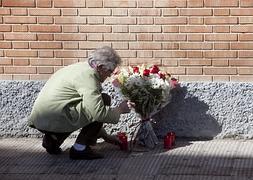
x=92 y=103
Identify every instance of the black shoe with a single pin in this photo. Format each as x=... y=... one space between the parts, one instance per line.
x=87 y=154
x=51 y=145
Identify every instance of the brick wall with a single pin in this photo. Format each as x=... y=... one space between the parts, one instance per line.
x=207 y=40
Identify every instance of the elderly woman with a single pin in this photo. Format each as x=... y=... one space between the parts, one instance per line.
x=71 y=99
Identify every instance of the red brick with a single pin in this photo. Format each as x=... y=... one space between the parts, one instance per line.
x=19 y=12
x=245 y=54
x=170 y=12
x=119 y=37
x=20 y=45
x=69 y=3
x=44 y=3
x=221 y=29
x=5 y=61
x=5 y=28
x=195 y=54
x=242 y=46
x=242 y=29
x=220 y=54
x=45 y=37
x=145 y=54
x=92 y=3
x=70 y=37
x=194 y=70
x=144 y=37
x=18 y=3
x=195 y=3
x=223 y=3
x=70 y=29
x=45 y=45
x=44 y=12
x=196 y=12
x=222 y=46
x=6 y=77
x=145 y=46
x=170 y=4
x=127 y=54
x=221 y=78
x=219 y=70
x=119 y=20
x=70 y=54
x=70 y=45
x=120 y=45
x=21 y=76
x=96 y=20
x=170 y=29
x=169 y=37
x=120 y=29
x=21 y=62
x=69 y=12
x=195 y=37
x=169 y=53
x=1 y=70
x=145 y=4
x=45 y=20
x=241 y=12
x=171 y=20
x=19 y=20
x=240 y=62
x=196 y=20
x=20 y=70
x=45 y=28
x=5 y=45
x=45 y=70
x=245 y=70
x=221 y=37
x=246 y=3
x=195 y=46
x=140 y=61
x=46 y=54
x=20 y=37
x=21 y=53
x=167 y=46
x=5 y=11
x=120 y=12
x=195 y=78
x=195 y=29
x=145 y=20
x=169 y=62
x=245 y=37
x=246 y=20
x=221 y=12
x=175 y=70
x=92 y=44
x=20 y=28
x=220 y=62
x=70 y=20
x=145 y=29
x=119 y=4
x=144 y=12
x=221 y=20
x=95 y=12
x=39 y=76
x=94 y=37
x=46 y=62
x=242 y=78
x=195 y=62
x=68 y=61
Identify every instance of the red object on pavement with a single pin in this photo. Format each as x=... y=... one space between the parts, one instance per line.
x=167 y=142
x=173 y=137
x=124 y=143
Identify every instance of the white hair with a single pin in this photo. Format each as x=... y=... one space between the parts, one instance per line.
x=105 y=56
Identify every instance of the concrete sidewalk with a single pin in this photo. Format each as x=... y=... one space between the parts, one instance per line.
x=24 y=158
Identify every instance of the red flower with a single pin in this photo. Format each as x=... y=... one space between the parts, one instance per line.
x=136 y=69
x=174 y=83
x=162 y=75
x=154 y=69
x=146 y=72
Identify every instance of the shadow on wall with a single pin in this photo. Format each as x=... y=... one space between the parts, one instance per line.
x=187 y=116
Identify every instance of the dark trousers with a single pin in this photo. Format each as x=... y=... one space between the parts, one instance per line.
x=88 y=134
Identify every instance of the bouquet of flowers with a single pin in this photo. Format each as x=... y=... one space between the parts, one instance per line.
x=149 y=89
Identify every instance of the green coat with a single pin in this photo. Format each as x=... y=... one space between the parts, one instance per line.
x=71 y=99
